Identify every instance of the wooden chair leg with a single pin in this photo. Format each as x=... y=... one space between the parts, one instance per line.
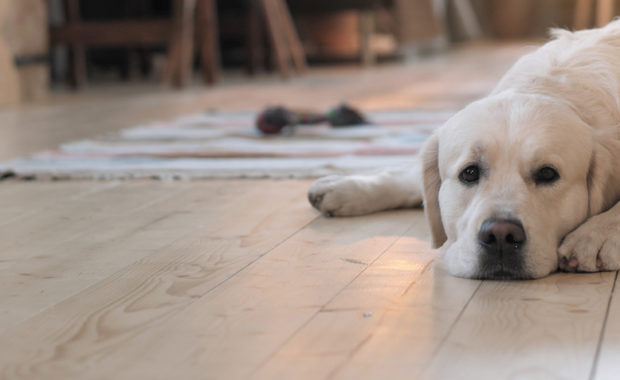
x=366 y=30
x=276 y=35
x=294 y=44
x=604 y=12
x=77 y=53
x=583 y=14
x=209 y=44
x=180 y=52
x=254 y=40
x=9 y=76
x=465 y=12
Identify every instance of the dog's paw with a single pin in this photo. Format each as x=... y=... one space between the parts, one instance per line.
x=594 y=246
x=342 y=195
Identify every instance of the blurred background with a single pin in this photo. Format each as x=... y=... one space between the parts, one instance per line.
x=69 y=45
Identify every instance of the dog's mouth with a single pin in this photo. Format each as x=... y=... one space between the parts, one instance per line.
x=502 y=272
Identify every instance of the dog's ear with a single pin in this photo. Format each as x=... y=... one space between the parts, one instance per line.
x=432 y=182
x=600 y=191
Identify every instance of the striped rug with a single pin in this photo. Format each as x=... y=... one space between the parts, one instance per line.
x=227 y=145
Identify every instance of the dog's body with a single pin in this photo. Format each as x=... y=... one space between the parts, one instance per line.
x=522 y=181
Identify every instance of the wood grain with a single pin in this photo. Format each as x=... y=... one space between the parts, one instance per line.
x=34 y=275
x=385 y=324
x=200 y=253
x=19 y=201
x=267 y=303
x=166 y=297
x=606 y=365
x=547 y=328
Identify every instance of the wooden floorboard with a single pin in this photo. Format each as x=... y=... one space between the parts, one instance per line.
x=385 y=324
x=83 y=246
x=260 y=307
x=547 y=328
x=66 y=219
x=188 y=325
x=148 y=281
x=50 y=255
x=243 y=279
x=606 y=365
x=20 y=200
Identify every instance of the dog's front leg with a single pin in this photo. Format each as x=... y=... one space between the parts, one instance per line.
x=366 y=193
x=594 y=245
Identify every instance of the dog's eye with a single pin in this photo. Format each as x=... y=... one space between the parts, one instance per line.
x=470 y=175
x=546 y=175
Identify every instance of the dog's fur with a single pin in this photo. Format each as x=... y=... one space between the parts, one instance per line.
x=558 y=108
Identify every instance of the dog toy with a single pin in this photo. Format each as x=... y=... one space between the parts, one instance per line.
x=273 y=119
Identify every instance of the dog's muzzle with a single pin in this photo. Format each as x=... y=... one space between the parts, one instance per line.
x=501 y=242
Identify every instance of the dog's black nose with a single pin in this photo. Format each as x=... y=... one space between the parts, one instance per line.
x=500 y=237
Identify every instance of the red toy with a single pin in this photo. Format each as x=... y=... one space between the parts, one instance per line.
x=273 y=119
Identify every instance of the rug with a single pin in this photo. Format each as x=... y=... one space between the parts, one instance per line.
x=227 y=145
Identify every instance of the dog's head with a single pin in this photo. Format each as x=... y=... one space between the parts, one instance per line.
x=506 y=179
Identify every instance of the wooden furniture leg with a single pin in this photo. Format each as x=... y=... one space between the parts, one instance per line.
x=465 y=12
x=583 y=14
x=208 y=39
x=180 y=53
x=367 y=27
x=276 y=34
x=290 y=32
x=604 y=12
x=77 y=54
x=254 y=39
x=9 y=76
x=177 y=33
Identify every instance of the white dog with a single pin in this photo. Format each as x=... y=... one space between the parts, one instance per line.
x=523 y=181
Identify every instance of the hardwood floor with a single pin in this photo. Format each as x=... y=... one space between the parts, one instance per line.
x=242 y=279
